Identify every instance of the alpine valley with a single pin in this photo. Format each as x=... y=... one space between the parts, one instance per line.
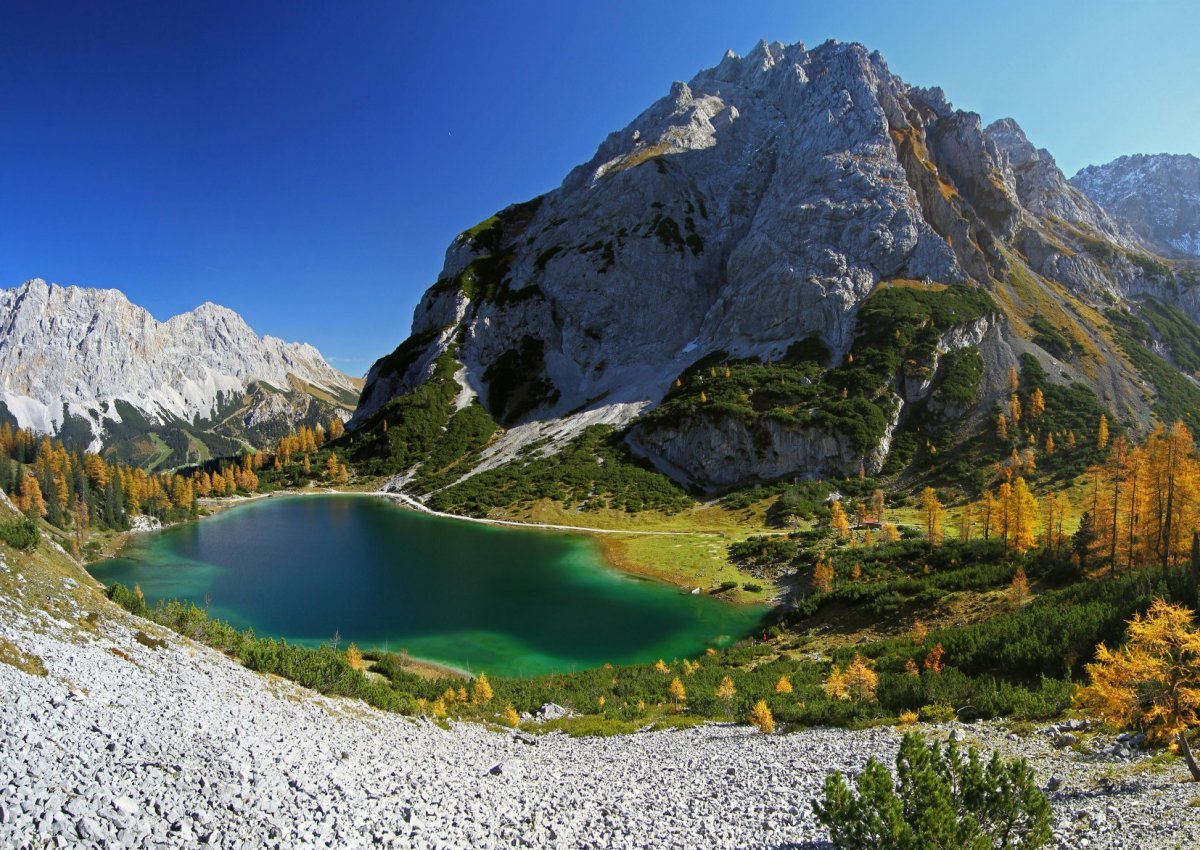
x=890 y=421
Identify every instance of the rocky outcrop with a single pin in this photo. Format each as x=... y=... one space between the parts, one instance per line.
x=1158 y=196
x=87 y=354
x=760 y=203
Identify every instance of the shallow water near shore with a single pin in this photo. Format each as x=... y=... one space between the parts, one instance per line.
x=476 y=597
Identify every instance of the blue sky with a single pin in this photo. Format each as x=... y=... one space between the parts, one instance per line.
x=306 y=164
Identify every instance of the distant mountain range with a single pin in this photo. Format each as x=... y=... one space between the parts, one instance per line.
x=784 y=267
x=99 y=371
x=1157 y=195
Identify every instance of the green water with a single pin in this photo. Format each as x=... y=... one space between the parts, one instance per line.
x=502 y=600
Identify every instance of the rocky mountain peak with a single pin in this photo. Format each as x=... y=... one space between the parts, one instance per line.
x=759 y=204
x=77 y=354
x=1157 y=194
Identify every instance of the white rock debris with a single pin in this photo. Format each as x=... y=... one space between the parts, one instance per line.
x=127 y=746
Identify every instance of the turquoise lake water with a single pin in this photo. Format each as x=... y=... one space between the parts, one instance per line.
x=482 y=598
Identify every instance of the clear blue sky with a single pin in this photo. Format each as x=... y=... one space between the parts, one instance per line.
x=306 y=164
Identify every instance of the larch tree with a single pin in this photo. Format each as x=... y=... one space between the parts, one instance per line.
x=481 y=690
x=1153 y=681
x=822 y=576
x=336 y=428
x=878 y=507
x=838 y=520
x=1014 y=379
x=1037 y=404
x=1019 y=588
x=761 y=717
x=725 y=692
x=1002 y=428
x=932 y=514
x=1023 y=513
x=678 y=694
x=1102 y=433
x=1014 y=409
x=966 y=522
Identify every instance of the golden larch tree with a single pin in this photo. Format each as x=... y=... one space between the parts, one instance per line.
x=838 y=520
x=761 y=717
x=1023 y=513
x=1102 y=433
x=932 y=514
x=1152 y=682
x=678 y=694
x=1037 y=404
x=1019 y=589
x=1002 y=428
x=822 y=577
x=481 y=690
x=725 y=692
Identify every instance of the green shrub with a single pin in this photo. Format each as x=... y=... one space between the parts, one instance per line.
x=21 y=533
x=752 y=587
x=938 y=799
x=937 y=712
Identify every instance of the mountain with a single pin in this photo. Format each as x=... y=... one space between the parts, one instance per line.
x=1158 y=195
x=795 y=264
x=92 y=367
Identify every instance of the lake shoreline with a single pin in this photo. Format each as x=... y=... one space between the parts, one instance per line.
x=608 y=539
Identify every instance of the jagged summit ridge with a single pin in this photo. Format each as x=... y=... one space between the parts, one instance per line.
x=1158 y=194
x=77 y=351
x=759 y=204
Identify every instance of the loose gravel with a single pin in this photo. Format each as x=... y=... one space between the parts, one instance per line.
x=124 y=745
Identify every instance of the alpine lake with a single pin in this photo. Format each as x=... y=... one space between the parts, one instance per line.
x=502 y=600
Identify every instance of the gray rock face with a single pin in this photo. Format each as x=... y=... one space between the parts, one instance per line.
x=758 y=204
x=1157 y=195
x=79 y=351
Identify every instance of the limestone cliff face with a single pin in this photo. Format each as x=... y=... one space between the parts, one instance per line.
x=761 y=203
x=70 y=352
